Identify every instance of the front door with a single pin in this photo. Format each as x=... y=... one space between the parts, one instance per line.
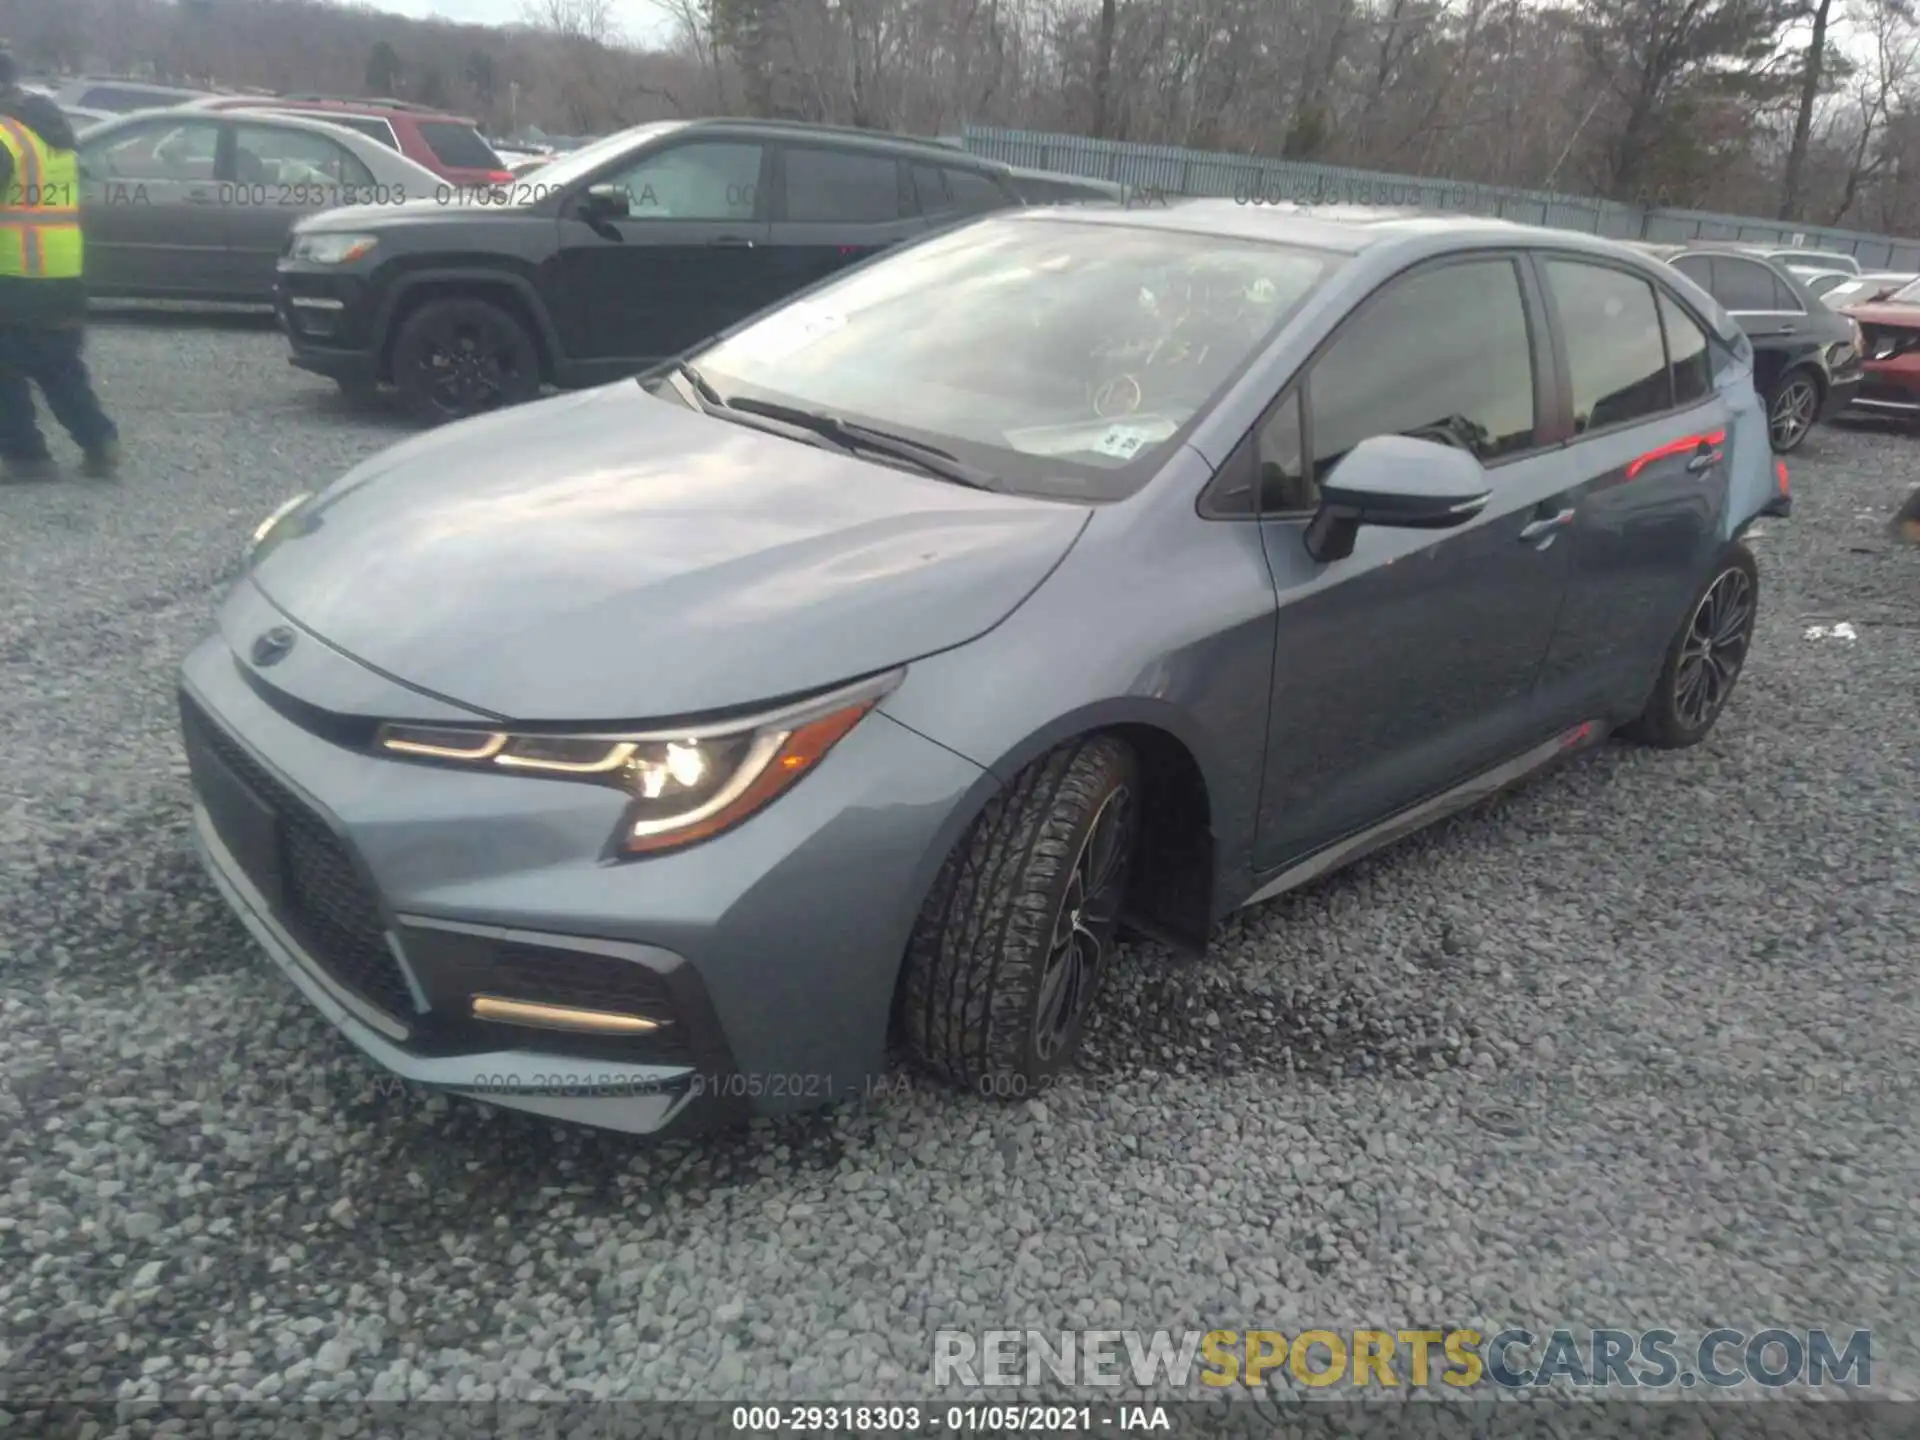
x=151 y=211
x=835 y=206
x=1412 y=663
x=688 y=259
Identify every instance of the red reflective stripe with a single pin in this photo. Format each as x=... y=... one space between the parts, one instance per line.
x=33 y=260
x=1780 y=470
x=1683 y=446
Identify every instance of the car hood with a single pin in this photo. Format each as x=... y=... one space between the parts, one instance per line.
x=459 y=199
x=611 y=556
x=1881 y=313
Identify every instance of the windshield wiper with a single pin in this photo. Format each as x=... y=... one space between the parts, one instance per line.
x=852 y=435
x=701 y=387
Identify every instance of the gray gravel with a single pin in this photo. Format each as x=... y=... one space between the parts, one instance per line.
x=1634 y=1047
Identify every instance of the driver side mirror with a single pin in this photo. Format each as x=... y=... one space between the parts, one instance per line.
x=1399 y=482
x=607 y=202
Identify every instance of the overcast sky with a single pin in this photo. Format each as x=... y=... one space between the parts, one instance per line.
x=642 y=20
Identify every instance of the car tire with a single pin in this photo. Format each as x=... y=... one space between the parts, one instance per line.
x=463 y=356
x=1793 y=405
x=1018 y=930
x=1704 y=661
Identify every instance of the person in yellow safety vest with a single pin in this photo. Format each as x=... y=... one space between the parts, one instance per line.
x=43 y=299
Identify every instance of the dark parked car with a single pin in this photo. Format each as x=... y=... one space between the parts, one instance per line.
x=608 y=259
x=1806 y=357
x=633 y=756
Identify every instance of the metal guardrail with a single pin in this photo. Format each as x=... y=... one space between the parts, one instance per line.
x=1168 y=170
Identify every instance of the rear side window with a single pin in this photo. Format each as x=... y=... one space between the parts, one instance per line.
x=1783 y=296
x=370 y=126
x=459 y=146
x=1744 y=285
x=1442 y=354
x=842 y=185
x=930 y=190
x=1689 y=353
x=973 y=193
x=1615 y=353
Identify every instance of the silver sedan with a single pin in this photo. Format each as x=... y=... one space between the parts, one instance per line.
x=196 y=205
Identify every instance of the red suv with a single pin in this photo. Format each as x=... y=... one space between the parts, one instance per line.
x=449 y=145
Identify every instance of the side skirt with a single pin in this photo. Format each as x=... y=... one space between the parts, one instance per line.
x=1426 y=812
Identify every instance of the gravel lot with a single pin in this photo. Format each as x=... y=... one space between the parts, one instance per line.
x=1634 y=1047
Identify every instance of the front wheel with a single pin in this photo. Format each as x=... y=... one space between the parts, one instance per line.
x=1017 y=933
x=1705 y=659
x=1791 y=410
x=463 y=356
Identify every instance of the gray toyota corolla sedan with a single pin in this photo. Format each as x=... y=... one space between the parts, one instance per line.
x=654 y=754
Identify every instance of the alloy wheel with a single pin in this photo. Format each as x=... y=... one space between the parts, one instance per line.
x=463 y=370
x=1714 y=650
x=1792 y=413
x=1083 y=929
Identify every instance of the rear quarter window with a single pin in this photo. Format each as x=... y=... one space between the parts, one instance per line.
x=460 y=146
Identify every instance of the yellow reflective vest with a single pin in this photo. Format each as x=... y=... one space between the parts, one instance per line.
x=40 y=209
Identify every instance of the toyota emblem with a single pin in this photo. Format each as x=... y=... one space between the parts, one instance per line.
x=272 y=646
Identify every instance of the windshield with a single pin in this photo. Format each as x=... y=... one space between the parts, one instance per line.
x=1065 y=358
x=578 y=164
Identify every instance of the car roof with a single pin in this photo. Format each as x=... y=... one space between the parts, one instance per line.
x=1345 y=228
x=877 y=139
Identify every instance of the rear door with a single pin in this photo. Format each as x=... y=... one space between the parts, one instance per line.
x=150 y=204
x=834 y=206
x=1650 y=453
x=689 y=258
x=1412 y=663
x=274 y=176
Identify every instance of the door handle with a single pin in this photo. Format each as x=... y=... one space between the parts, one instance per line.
x=1546 y=526
x=732 y=242
x=1704 y=461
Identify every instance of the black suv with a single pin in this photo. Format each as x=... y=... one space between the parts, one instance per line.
x=608 y=260
x=1806 y=357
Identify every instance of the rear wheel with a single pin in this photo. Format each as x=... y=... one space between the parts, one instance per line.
x=1791 y=409
x=1705 y=659
x=463 y=356
x=1017 y=933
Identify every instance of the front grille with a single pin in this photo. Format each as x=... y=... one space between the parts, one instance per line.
x=326 y=905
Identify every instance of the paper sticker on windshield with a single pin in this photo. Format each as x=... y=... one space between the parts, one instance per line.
x=787 y=334
x=1123 y=442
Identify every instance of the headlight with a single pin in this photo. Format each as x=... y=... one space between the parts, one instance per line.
x=328 y=248
x=687 y=785
x=266 y=527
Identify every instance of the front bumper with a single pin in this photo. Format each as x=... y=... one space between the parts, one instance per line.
x=1890 y=387
x=393 y=895
x=327 y=319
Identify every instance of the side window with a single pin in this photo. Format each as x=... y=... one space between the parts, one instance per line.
x=158 y=150
x=1617 y=359
x=1698 y=269
x=1785 y=299
x=1688 y=353
x=268 y=155
x=849 y=186
x=1741 y=285
x=973 y=193
x=1285 y=485
x=702 y=180
x=1443 y=354
x=930 y=190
